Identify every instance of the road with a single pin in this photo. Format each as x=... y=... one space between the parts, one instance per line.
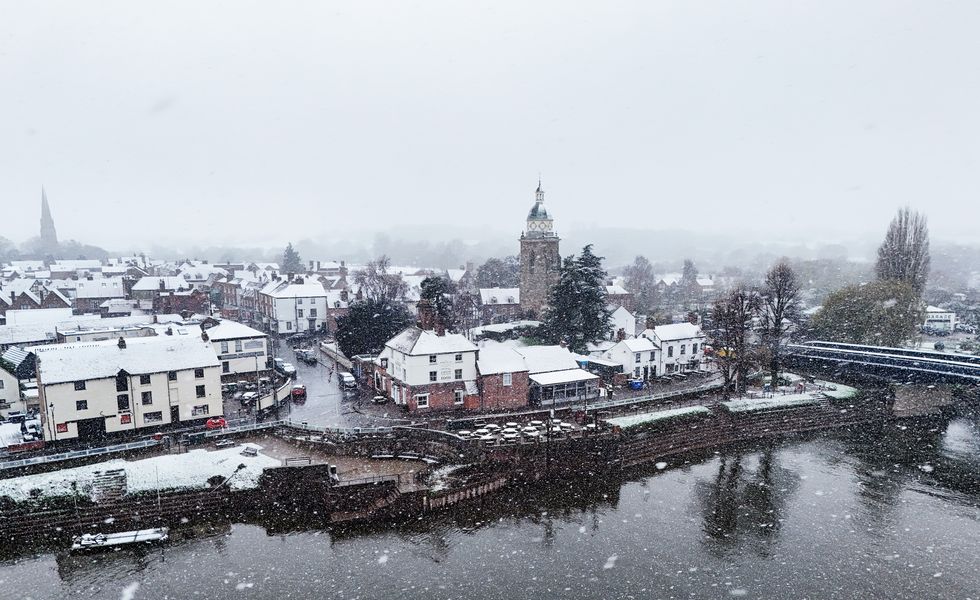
x=327 y=405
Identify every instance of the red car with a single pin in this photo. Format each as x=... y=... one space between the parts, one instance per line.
x=216 y=423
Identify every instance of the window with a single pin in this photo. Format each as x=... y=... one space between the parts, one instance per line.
x=225 y=367
x=458 y=374
x=433 y=376
x=171 y=375
x=299 y=313
x=299 y=301
x=144 y=380
x=1 y=384
x=153 y=417
x=238 y=345
x=146 y=398
x=224 y=347
x=458 y=397
x=670 y=351
x=201 y=392
x=289 y=326
x=198 y=373
x=636 y=372
x=507 y=379
x=122 y=401
x=81 y=404
x=683 y=348
x=312 y=313
x=198 y=411
x=79 y=385
x=432 y=359
x=459 y=358
x=694 y=348
x=422 y=401
x=122 y=382
x=636 y=358
x=653 y=356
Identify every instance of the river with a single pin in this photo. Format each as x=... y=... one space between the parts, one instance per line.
x=839 y=515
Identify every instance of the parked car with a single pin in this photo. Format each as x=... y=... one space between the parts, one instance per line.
x=248 y=398
x=216 y=423
x=298 y=392
x=347 y=381
x=285 y=369
x=379 y=399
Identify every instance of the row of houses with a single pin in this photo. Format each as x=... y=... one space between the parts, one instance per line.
x=425 y=369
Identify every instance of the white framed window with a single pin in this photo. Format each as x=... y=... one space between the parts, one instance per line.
x=636 y=358
x=683 y=348
x=507 y=379
x=694 y=348
x=153 y=417
x=299 y=301
x=299 y=313
x=458 y=374
x=432 y=359
x=653 y=355
x=289 y=326
x=459 y=358
x=198 y=411
x=238 y=345
x=458 y=396
x=670 y=351
x=422 y=400
x=433 y=376
x=636 y=372
x=224 y=347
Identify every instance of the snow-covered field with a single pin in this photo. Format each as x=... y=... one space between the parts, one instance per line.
x=173 y=471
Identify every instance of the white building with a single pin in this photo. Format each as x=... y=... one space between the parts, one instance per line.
x=240 y=349
x=638 y=356
x=428 y=370
x=940 y=319
x=622 y=321
x=89 y=389
x=681 y=346
x=294 y=306
x=9 y=392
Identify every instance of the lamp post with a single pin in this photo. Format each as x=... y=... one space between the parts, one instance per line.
x=52 y=424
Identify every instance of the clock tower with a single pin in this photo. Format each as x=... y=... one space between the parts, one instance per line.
x=539 y=259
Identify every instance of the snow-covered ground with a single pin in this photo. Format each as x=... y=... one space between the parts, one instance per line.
x=837 y=391
x=10 y=434
x=172 y=471
x=651 y=417
x=786 y=401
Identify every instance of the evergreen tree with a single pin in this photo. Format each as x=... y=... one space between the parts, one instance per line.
x=498 y=272
x=440 y=292
x=370 y=324
x=577 y=312
x=291 y=262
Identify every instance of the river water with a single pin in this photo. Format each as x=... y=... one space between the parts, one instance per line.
x=840 y=515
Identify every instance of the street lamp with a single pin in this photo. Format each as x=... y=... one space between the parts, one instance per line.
x=52 y=425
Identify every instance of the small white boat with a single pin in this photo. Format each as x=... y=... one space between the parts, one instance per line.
x=92 y=541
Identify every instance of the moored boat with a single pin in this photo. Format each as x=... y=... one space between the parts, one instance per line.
x=94 y=541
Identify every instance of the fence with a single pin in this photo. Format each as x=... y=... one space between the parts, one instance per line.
x=40 y=460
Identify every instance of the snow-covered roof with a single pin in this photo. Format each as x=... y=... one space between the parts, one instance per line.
x=61 y=363
x=500 y=295
x=566 y=376
x=499 y=359
x=285 y=289
x=542 y=359
x=148 y=284
x=675 y=331
x=38 y=316
x=615 y=290
x=640 y=344
x=936 y=309
x=455 y=274
x=232 y=330
x=417 y=342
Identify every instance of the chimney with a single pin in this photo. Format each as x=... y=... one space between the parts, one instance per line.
x=440 y=328
x=170 y=330
x=620 y=335
x=427 y=315
x=344 y=296
x=163 y=284
x=122 y=343
x=204 y=335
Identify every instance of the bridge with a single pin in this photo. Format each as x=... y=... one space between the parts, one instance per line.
x=924 y=379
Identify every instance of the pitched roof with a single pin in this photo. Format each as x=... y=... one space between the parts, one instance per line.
x=499 y=359
x=542 y=359
x=60 y=363
x=148 y=284
x=232 y=330
x=676 y=331
x=500 y=295
x=417 y=342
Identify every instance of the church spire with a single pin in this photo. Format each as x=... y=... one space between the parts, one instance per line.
x=49 y=236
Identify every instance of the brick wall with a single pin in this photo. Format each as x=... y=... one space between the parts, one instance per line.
x=497 y=396
x=442 y=396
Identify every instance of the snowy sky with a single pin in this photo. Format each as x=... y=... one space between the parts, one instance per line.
x=258 y=122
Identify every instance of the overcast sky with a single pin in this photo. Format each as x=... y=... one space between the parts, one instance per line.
x=255 y=123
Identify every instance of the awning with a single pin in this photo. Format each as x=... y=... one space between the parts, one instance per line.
x=567 y=376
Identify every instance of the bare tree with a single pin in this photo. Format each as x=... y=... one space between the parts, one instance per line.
x=732 y=316
x=780 y=308
x=377 y=283
x=641 y=282
x=904 y=255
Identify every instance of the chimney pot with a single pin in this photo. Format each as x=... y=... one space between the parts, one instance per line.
x=122 y=343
